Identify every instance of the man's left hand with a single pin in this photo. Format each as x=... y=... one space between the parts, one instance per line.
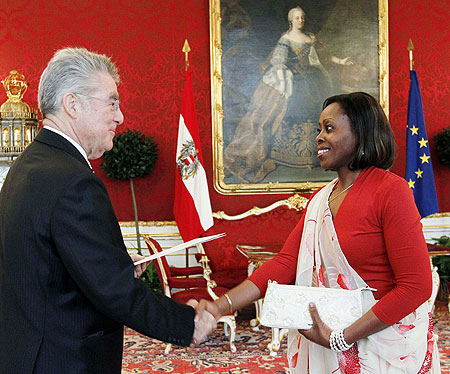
x=139 y=269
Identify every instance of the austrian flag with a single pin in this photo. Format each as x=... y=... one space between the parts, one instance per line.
x=192 y=208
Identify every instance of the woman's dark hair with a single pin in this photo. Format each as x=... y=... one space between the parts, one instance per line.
x=375 y=140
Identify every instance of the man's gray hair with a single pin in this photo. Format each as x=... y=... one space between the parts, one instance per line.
x=71 y=70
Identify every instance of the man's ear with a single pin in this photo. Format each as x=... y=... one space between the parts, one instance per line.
x=71 y=104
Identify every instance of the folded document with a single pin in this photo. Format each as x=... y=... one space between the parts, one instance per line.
x=179 y=247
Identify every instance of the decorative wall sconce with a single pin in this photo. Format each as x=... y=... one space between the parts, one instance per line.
x=18 y=122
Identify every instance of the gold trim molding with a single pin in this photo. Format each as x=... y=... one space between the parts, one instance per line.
x=439 y=215
x=147 y=223
x=296 y=202
x=383 y=53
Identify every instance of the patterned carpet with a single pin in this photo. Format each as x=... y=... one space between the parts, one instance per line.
x=442 y=328
x=144 y=355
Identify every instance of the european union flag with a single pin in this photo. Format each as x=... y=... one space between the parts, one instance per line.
x=419 y=170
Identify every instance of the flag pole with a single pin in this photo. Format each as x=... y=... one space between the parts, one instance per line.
x=186 y=49
x=411 y=49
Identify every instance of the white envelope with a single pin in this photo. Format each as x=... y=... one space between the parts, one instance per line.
x=179 y=247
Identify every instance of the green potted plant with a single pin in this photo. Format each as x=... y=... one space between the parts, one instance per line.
x=442 y=140
x=133 y=155
x=150 y=279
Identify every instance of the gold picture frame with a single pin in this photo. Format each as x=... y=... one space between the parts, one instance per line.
x=230 y=24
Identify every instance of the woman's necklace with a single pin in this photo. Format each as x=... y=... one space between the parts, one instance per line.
x=339 y=194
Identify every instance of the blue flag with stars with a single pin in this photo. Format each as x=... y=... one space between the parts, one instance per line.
x=419 y=170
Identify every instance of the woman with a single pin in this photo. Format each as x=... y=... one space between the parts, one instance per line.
x=373 y=237
x=280 y=123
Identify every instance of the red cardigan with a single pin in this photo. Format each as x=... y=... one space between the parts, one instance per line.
x=380 y=233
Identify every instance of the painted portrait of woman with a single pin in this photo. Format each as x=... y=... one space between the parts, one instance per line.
x=272 y=102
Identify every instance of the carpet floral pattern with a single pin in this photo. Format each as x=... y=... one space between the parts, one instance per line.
x=143 y=355
x=442 y=328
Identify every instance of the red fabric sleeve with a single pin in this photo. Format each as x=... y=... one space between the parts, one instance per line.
x=407 y=253
x=283 y=267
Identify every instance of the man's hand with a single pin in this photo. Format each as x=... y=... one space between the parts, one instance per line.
x=139 y=269
x=211 y=307
x=205 y=323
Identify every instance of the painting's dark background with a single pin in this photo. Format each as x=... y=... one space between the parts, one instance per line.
x=250 y=30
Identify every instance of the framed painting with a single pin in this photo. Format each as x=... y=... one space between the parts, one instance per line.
x=273 y=62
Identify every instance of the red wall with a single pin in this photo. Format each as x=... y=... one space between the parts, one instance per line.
x=145 y=39
x=425 y=23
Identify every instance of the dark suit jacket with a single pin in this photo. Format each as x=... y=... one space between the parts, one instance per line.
x=66 y=280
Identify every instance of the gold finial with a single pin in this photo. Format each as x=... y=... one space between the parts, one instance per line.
x=186 y=49
x=15 y=86
x=411 y=49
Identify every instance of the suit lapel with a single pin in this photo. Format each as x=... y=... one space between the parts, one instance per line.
x=54 y=140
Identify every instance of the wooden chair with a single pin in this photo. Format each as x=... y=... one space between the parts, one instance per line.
x=183 y=284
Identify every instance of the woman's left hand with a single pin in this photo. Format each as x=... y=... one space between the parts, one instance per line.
x=319 y=333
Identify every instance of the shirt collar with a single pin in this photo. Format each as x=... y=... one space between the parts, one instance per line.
x=73 y=142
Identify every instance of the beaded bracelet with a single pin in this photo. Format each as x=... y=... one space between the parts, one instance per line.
x=333 y=345
x=337 y=341
x=342 y=343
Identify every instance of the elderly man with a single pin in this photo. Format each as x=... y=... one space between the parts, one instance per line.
x=67 y=283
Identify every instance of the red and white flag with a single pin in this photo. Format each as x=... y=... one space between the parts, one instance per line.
x=192 y=208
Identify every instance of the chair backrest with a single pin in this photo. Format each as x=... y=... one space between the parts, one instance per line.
x=295 y=202
x=161 y=265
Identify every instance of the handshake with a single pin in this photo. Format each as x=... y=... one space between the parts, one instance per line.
x=206 y=316
x=207 y=313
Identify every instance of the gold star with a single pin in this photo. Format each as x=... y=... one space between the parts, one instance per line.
x=419 y=173
x=423 y=142
x=414 y=130
x=424 y=158
x=411 y=184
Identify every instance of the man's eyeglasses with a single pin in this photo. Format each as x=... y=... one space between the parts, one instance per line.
x=115 y=104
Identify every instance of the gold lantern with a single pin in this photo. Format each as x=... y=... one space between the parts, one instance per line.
x=18 y=122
